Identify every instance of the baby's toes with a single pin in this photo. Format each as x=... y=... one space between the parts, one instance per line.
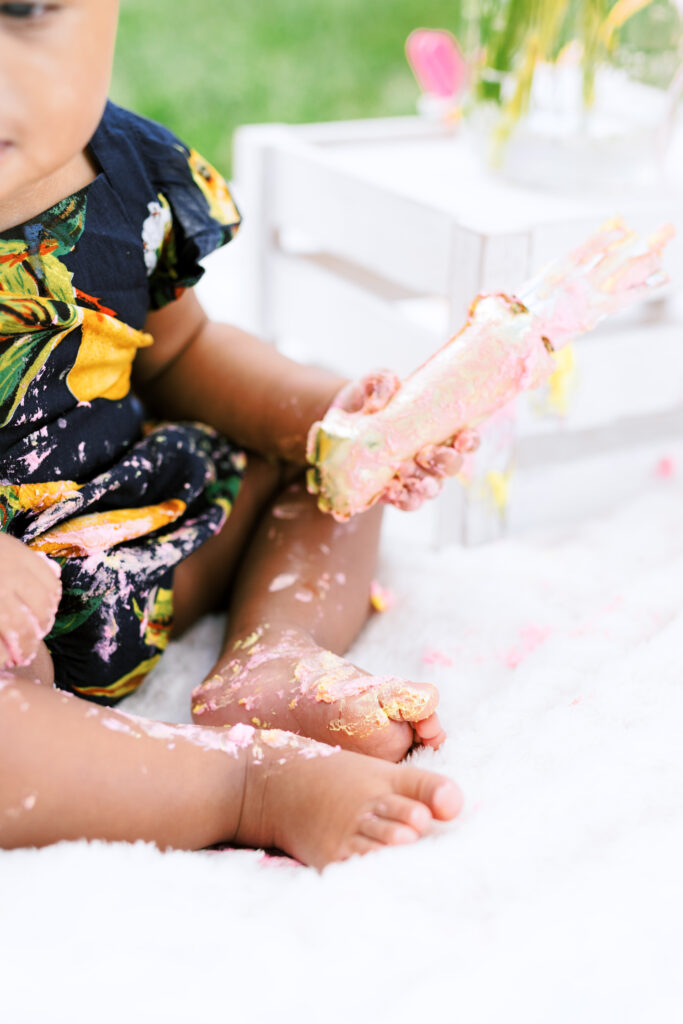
x=408 y=702
x=439 y=794
x=359 y=845
x=395 y=820
x=405 y=811
x=429 y=732
x=385 y=831
x=390 y=744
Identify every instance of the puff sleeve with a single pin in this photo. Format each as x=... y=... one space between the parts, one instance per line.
x=193 y=214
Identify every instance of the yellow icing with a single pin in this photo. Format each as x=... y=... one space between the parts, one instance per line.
x=497 y=484
x=406 y=706
x=248 y=642
x=562 y=380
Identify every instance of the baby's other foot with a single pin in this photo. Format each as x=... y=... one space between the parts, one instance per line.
x=321 y=804
x=282 y=679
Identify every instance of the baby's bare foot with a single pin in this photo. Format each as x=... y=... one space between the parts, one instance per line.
x=282 y=679
x=322 y=804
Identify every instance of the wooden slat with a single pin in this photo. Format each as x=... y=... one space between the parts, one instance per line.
x=325 y=318
x=399 y=238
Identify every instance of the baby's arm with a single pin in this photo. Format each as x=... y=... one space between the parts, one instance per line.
x=244 y=387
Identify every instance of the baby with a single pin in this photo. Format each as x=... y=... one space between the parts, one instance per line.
x=150 y=471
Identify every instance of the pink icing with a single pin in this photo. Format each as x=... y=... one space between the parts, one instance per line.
x=281 y=582
x=531 y=638
x=241 y=735
x=665 y=468
x=434 y=657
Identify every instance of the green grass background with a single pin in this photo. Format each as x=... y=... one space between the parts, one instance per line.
x=203 y=67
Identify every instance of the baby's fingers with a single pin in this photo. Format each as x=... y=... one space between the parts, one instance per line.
x=467 y=441
x=368 y=395
x=411 y=487
x=439 y=460
x=446 y=459
x=20 y=634
x=40 y=590
x=429 y=732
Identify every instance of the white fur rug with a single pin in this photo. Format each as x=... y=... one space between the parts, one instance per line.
x=558 y=894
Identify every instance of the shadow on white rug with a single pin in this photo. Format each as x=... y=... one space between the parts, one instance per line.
x=558 y=894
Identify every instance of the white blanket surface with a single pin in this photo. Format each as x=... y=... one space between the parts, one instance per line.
x=556 y=896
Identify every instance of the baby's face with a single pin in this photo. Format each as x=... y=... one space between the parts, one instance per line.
x=55 y=65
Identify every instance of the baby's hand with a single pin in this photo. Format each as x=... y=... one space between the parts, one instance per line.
x=423 y=476
x=29 y=595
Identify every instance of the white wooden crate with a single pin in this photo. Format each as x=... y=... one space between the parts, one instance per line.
x=369 y=239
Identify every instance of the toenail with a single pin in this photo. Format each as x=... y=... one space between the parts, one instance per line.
x=448 y=799
x=404 y=835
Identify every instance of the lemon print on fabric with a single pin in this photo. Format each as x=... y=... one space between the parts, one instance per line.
x=33 y=497
x=217 y=194
x=100 y=531
x=156 y=618
x=38 y=497
x=105 y=357
x=39 y=309
x=123 y=686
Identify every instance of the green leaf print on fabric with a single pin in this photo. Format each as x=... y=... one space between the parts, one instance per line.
x=24 y=357
x=67 y=623
x=9 y=505
x=37 y=300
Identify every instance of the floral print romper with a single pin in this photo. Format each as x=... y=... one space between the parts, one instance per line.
x=118 y=502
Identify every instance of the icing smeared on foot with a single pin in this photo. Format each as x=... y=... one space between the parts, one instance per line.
x=291 y=683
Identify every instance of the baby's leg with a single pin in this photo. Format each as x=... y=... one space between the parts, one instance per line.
x=300 y=597
x=70 y=770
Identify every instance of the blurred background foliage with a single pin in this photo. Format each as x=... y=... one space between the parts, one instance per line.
x=206 y=66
